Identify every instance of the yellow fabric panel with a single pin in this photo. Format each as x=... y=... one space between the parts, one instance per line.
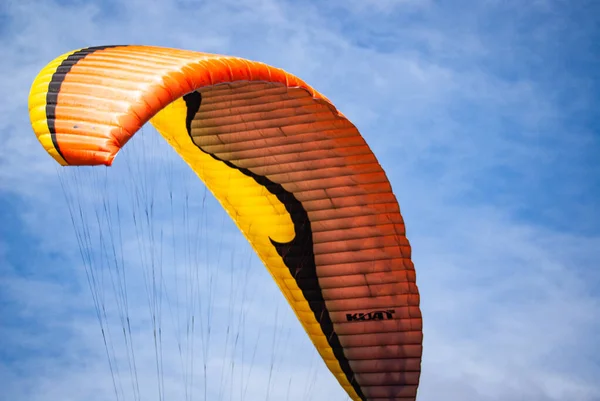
x=274 y=222
x=37 y=107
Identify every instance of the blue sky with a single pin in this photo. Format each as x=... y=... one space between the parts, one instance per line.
x=483 y=114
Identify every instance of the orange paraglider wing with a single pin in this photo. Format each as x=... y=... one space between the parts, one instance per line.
x=293 y=173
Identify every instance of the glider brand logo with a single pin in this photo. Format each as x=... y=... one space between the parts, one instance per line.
x=375 y=315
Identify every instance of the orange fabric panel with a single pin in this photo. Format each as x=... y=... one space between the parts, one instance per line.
x=362 y=257
x=122 y=82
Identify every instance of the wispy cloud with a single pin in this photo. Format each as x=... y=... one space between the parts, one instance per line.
x=483 y=117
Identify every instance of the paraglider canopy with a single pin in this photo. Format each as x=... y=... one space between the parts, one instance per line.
x=293 y=173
